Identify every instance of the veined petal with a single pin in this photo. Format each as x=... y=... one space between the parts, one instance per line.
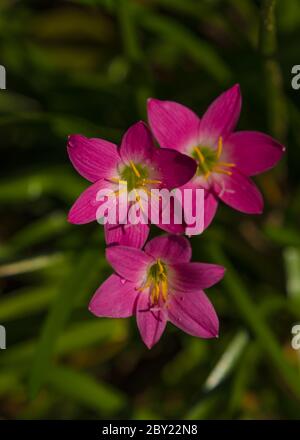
x=170 y=248
x=151 y=322
x=239 y=192
x=93 y=158
x=137 y=144
x=130 y=263
x=126 y=235
x=187 y=277
x=84 y=210
x=161 y=211
x=172 y=228
x=114 y=299
x=221 y=116
x=173 y=125
x=175 y=169
x=174 y=221
x=253 y=152
x=193 y=313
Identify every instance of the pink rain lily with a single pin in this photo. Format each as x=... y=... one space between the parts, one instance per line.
x=137 y=163
x=226 y=159
x=159 y=284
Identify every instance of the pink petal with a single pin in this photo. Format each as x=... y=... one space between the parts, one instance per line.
x=137 y=144
x=84 y=210
x=175 y=169
x=193 y=313
x=253 y=152
x=173 y=125
x=94 y=159
x=114 y=299
x=130 y=263
x=161 y=212
x=186 y=277
x=221 y=116
x=172 y=225
x=126 y=235
x=210 y=204
x=170 y=248
x=239 y=192
x=151 y=322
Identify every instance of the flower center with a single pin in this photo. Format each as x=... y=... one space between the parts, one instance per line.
x=208 y=160
x=157 y=282
x=135 y=176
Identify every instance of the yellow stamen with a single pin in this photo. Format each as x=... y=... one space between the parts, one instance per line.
x=161 y=268
x=220 y=147
x=149 y=181
x=144 y=286
x=155 y=293
x=117 y=193
x=215 y=166
x=220 y=171
x=135 y=170
x=138 y=199
x=202 y=161
x=157 y=282
x=200 y=155
x=164 y=289
x=226 y=164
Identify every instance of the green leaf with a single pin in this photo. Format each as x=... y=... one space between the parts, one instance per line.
x=78 y=281
x=292 y=267
x=30 y=265
x=227 y=361
x=284 y=236
x=77 y=337
x=128 y=29
x=248 y=311
x=29 y=301
x=94 y=394
x=200 y=51
x=9 y=382
x=31 y=187
x=242 y=377
x=192 y=354
x=203 y=409
x=36 y=233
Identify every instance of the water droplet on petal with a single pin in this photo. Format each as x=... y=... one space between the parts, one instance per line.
x=123 y=281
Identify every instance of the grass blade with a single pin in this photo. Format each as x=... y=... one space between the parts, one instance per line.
x=78 y=280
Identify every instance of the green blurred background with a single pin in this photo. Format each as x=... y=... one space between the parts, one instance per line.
x=87 y=66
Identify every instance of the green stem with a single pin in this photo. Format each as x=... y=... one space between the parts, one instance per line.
x=128 y=30
x=268 y=43
x=140 y=73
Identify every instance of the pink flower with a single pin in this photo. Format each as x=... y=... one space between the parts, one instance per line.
x=138 y=163
x=225 y=158
x=159 y=284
